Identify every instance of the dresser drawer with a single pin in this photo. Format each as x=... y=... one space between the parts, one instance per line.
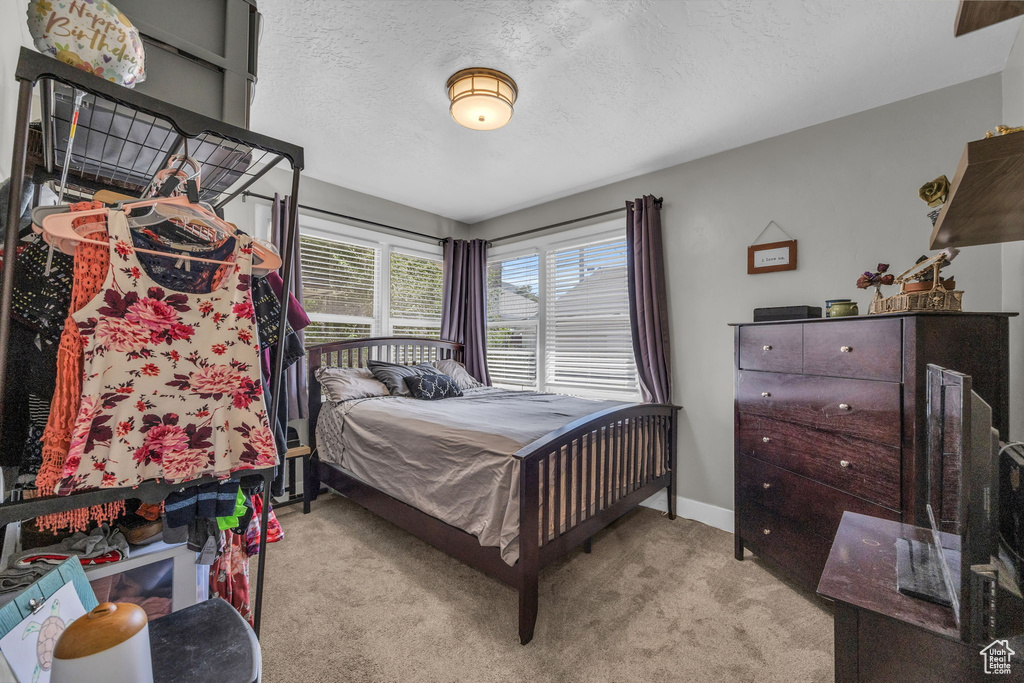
x=862 y=408
x=778 y=348
x=814 y=507
x=784 y=543
x=862 y=349
x=862 y=468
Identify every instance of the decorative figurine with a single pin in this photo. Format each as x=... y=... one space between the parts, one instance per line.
x=921 y=288
x=1003 y=130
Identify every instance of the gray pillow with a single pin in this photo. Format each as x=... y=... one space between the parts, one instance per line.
x=457 y=371
x=393 y=375
x=345 y=384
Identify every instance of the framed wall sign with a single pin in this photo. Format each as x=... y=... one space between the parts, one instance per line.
x=771 y=257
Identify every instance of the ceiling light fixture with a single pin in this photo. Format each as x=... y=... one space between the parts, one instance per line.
x=481 y=99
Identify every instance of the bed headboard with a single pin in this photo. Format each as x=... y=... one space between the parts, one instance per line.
x=353 y=353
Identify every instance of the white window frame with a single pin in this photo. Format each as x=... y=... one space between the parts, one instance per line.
x=542 y=246
x=381 y=324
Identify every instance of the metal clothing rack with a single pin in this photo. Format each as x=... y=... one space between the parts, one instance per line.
x=126 y=136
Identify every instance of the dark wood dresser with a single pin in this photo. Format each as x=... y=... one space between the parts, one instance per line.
x=829 y=417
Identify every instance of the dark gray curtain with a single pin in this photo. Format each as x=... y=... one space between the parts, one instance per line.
x=463 y=309
x=648 y=299
x=294 y=380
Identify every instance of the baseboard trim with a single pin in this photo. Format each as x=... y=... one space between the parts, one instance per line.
x=712 y=515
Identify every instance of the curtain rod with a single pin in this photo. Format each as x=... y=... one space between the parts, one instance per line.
x=432 y=238
x=657 y=202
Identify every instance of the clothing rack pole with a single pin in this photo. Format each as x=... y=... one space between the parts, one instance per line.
x=432 y=238
x=11 y=236
x=262 y=172
x=288 y=234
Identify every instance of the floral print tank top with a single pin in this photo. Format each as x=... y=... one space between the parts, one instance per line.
x=170 y=384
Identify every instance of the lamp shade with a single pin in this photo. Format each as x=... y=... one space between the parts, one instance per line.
x=481 y=99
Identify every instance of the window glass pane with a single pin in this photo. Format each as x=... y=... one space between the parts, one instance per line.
x=513 y=307
x=512 y=289
x=588 y=343
x=512 y=354
x=338 y=278
x=416 y=289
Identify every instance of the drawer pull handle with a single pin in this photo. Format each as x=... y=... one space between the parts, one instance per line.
x=844 y=463
x=766 y=485
x=765 y=394
x=845 y=349
x=767 y=347
x=766 y=439
x=767 y=531
x=844 y=406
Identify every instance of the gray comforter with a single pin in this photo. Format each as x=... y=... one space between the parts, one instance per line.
x=450 y=458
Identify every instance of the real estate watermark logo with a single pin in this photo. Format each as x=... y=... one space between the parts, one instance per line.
x=997 y=657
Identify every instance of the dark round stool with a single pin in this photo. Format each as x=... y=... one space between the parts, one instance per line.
x=205 y=643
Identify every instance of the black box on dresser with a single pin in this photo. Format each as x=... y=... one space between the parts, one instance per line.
x=786 y=313
x=830 y=416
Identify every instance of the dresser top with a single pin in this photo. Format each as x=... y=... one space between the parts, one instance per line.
x=949 y=314
x=861 y=571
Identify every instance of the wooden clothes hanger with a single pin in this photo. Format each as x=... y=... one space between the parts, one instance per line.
x=58 y=229
x=111 y=197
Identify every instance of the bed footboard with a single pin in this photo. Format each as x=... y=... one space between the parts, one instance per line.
x=579 y=479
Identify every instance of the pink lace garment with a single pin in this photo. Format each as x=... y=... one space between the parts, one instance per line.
x=170 y=383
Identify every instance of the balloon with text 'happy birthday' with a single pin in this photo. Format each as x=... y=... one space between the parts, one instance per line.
x=92 y=35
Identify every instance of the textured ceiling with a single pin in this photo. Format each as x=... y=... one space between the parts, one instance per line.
x=609 y=89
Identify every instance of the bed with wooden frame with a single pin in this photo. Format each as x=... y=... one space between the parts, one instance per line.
x=603 y=448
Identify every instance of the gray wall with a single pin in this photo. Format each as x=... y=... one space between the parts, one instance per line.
x=322 y=195
x=13 y=34
x=846 y=189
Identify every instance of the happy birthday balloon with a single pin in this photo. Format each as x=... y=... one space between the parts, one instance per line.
x=91 y=35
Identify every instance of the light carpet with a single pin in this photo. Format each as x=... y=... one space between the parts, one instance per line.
x=351 y=597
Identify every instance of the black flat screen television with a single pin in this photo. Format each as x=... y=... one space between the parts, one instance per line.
x=963 y=486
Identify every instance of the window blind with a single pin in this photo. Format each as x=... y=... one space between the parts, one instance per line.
x=588 y=343
x=416 y=290
x=338 y=278
x=512 y=354
x=323 y=331
x=513 y=306
x=339 y=282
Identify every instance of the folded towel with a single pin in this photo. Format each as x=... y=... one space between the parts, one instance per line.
x=100 y=546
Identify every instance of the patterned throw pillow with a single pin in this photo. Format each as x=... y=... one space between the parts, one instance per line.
x=432 y=387
x=391 y=374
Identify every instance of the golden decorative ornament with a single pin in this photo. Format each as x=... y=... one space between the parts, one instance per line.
x=1003 y=130
x=935 y=192
x=481 y=99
